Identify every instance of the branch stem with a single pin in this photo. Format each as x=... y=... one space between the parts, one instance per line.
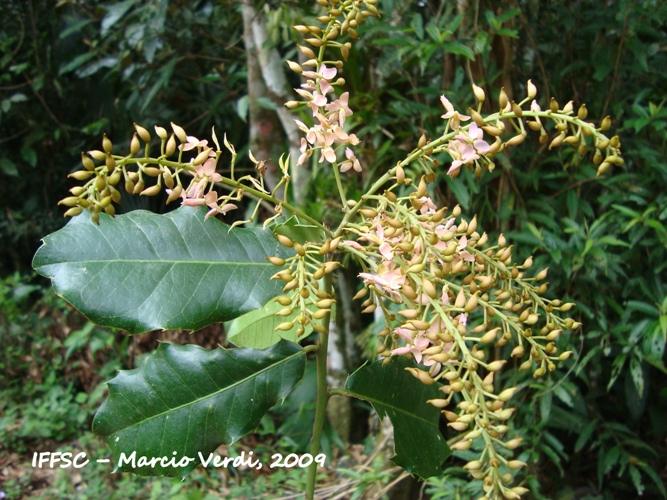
x=322 y=396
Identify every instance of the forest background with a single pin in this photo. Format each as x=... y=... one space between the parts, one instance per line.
x=74 y=69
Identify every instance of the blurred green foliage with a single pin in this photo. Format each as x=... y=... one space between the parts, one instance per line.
x=597 y=429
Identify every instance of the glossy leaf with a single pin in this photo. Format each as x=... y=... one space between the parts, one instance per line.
x=420 y=447
x=190 y=400
x=143 y=271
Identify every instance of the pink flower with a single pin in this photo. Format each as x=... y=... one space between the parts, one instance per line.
x=192 y=143
x=352 y=162
x=455 y=118
x=305 y=152
x=475 y=136
x=428 y=207
x=340 y=108
x=388 y=280
x=211 y=200
x=466 y=147
x=352 y=244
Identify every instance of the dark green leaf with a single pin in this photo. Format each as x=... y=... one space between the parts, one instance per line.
x=189 y=400
x=143 y=271
x=585 y=435
x=77 y=62
x=115 y=12
x=393 y=392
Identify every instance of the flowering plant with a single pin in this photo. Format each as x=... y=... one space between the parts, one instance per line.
x=446 y=293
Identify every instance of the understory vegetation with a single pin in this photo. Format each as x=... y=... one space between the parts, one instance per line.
x=594 y=429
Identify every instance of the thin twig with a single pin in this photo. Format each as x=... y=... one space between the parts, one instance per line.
x=618 y=62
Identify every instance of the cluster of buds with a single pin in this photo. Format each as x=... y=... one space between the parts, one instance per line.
x=465 y=143
x=301 y=275
x=328 y=134
x=104 y=170
x=448 y=295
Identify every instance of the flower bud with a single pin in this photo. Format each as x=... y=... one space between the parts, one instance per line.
x=603 y=168
x=423 y=376
x=107 y=145
x=134 y=145
x=429 y=288
x=476 y=117
x=284 y=327
x=502 y=98
x=565 y=356
x=462 y=445
x=496 y=365
x=285 y=241
x=606 y=123
x=507 y=394
x=80 y=175
x=294 y=67
x=87 y=162
x=180 y=133
x=479 y=93
x=161 y=133
x=471 y=304
x=73 y=212
x=151 y=191
x=489 y=336
x=516 y=464
x=276 y=261
x=473 y=465
x=171 y=146
x=306 y=51
x=422 y=141
x=283 y=300
x=142 y=132
x=531 y=89
x=175 y=193
x=201 y=157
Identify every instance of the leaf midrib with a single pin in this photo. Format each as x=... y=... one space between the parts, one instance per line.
x=398 y=409
x=164 y=261
x=213 y=394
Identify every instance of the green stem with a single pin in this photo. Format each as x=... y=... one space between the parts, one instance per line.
x=340 y=186
x=229 y=182
x=322 y=396
x=449 y=135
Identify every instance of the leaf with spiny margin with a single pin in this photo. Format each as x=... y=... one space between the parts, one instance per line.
x=187 y=399
x=143 y=271
x=420 y=447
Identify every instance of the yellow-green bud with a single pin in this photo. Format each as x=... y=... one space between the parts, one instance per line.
x=143 y=133
x=81 y=175
x=74 y=211
x=171 y=146
x=151 y=191
x=180 y=133
x=201 y=157
x=107 y=145
x=276 y=261
x=284 y=327
x=135 y=146
x=87 y=162
x=161 y=133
